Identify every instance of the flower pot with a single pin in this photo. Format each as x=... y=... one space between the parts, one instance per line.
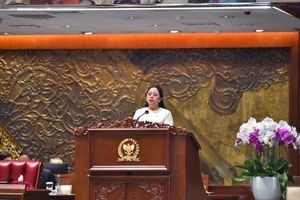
x=265 y=188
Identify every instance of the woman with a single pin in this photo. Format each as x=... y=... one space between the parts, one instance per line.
x=155 y=110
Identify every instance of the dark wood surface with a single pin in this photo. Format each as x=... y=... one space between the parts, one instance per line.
x=18 y=192
x=128 y=179
x=103 y=150
x=243 y=191
x=294 y=103
x=37 y=194
x=173 y=156
x=62 y=197
x=12 y=191
x=81 y=185
x=228 y=197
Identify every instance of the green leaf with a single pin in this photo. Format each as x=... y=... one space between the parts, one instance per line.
x=290 y=178
x=244 y=167
x=281 y=165
x=268 y=171
x=241 y=178
x=257 y=166
x=283 y=179
x=250 y=168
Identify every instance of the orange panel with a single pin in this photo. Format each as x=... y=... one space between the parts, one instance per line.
x=150 y=41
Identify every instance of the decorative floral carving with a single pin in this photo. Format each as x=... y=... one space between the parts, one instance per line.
x=129 y=123
x=103 y=190
x=156 y=190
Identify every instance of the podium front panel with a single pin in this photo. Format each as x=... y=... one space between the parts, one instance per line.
x=126 y=187
x=129 y=150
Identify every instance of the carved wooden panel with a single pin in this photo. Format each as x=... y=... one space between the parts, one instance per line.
x=109 y=191
x=152 y=190
x=131 y=188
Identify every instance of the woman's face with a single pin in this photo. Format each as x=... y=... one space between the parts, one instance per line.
x=153 y=98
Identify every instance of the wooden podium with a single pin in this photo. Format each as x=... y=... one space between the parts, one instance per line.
x=137 y=163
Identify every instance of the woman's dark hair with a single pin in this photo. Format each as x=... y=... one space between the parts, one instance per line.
x=4 y=155
x=161 y=104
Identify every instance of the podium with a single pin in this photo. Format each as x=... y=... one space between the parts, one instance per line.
x=137 y=161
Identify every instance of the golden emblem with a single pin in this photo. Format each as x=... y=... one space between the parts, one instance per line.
x=128 y=150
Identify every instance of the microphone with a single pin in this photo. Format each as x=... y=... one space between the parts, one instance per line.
x=145 y=113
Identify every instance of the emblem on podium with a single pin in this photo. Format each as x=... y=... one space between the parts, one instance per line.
x=128 y=150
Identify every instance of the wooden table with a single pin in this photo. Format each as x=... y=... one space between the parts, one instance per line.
x=234 y=190
x=227 y=197
x=18 y=192
x=12 y=191
x=62 y=197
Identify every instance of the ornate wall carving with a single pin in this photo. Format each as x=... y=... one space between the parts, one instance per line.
x=46 y=94
x=8 y=144
x=184 y=72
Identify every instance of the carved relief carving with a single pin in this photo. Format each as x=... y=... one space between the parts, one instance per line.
x=155 y=190
x=234 y=78
x=46 y=94
x=184 y=72
x=8 y=143
x=130 y=123
x=103 y=190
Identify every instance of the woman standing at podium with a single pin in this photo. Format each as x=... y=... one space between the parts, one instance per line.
x=155 y=109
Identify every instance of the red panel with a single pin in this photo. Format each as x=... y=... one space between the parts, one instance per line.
x=32 y=173
x=5 y=171
x=17 y=169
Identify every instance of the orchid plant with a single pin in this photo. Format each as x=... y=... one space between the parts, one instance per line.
x=267 y=137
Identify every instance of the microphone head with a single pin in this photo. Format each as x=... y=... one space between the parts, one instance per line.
x=146 y=111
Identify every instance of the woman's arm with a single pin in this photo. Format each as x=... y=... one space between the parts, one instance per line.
x=169 y=119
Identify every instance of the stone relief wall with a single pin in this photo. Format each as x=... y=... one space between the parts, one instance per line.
x=46 y=94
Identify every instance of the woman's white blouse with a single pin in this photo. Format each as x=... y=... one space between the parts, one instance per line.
x=160 y=115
